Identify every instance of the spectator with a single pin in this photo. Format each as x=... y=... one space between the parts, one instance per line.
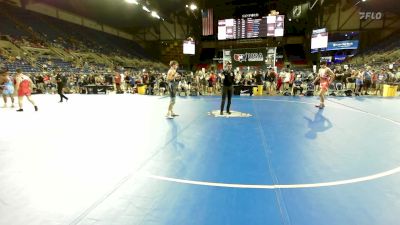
x=297 y=86
x=117 y=81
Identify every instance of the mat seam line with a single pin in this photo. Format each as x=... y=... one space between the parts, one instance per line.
x=281 y=203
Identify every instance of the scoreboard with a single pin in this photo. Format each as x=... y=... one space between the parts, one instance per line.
x=267 y=26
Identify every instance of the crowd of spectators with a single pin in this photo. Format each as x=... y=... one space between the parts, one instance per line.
x=364 y=80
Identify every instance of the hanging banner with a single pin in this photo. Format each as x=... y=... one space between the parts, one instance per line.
x=299 y=11
x=340 y=58
x=327 y=59
x=339 y=45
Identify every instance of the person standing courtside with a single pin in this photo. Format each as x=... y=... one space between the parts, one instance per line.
x=325 y=76
x=7 y=86
x=172 y=78
x=118 y=80
x=61 y=81
x=227 y=89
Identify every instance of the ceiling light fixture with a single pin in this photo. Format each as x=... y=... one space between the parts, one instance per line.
x=132 y=2
x=193 y=6
x=145 y=9
x=155 y=15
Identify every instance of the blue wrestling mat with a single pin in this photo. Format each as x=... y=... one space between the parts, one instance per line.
x=279 y=161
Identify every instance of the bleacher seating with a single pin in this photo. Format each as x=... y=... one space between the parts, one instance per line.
x=387 y=50
x=8 y=27
x=19 y=23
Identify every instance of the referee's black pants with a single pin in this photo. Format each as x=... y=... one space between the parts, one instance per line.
x=227 y=91
x=60 y=92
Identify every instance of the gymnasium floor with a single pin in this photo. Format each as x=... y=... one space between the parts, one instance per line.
x=116 y=160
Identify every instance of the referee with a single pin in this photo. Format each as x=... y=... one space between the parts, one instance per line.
x=227 y=89
x=61 y=82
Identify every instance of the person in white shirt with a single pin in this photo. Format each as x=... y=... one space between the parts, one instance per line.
x=238 y=77
x=286 y=80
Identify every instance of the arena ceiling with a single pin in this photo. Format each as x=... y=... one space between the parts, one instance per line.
x=131 y=18
x=118 y=13
x=383 y=5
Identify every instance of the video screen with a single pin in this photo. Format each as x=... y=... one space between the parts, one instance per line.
x=319 y=39
x=189 y=48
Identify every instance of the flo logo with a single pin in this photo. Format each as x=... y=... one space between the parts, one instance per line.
x=239 y=57
x=371 y=15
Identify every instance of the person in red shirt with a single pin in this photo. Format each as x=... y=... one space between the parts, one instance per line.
x=270 y=79
x=374 y=78
x=279 y=82
x=212 y=80
x=117 y=80
x=292 y=78
x=325 y=76
x=46 y=81
x=23 y=87
x=145 y=78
